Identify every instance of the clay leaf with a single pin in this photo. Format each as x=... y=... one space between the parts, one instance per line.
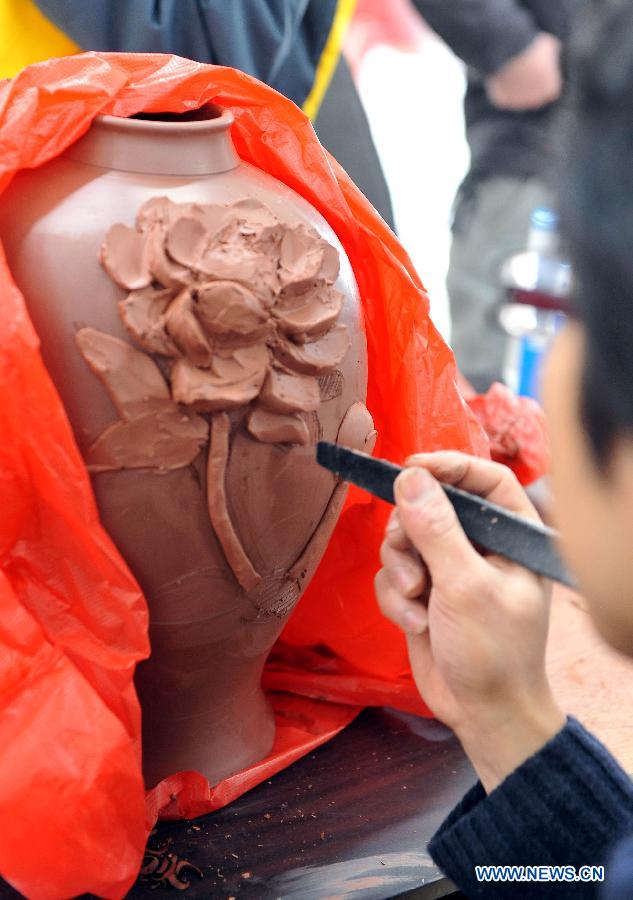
x=131 y=378
x=164 y=440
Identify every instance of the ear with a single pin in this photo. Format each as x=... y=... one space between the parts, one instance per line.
x=619 y=469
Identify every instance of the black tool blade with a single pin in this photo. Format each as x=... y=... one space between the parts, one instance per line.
x=530 y=544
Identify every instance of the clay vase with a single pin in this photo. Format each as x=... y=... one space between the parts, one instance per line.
x=187 y=531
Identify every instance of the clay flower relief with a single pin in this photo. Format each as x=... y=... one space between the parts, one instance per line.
x=240 y=304
x=234 y=316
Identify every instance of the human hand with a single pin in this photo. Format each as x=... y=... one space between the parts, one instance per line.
x=530 y=80
x=476 y=626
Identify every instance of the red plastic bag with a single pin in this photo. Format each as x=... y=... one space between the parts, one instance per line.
x=73 y=622
x=516 y=430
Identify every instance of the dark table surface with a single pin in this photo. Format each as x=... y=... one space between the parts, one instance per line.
x=350 y=820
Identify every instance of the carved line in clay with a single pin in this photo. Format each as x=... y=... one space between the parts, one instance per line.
x=276 y=595
x=331 y=385
x=287 y=592
x=356 y=431
x=234 y=552
x=316 y=547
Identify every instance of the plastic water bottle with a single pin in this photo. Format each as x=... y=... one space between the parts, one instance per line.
x=538 y=282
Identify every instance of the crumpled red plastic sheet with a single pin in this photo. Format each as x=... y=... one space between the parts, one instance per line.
x=73 y=622
x=516 y=430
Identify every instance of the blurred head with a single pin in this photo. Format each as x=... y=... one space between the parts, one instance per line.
x=588 y=385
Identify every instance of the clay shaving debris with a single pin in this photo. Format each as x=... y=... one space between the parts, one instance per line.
x=161 y=867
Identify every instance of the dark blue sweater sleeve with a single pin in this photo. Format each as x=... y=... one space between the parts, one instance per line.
x=278 y=41
x=484 y=33
x=568 y=805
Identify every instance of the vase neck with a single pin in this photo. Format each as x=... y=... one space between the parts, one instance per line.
x=194 y=143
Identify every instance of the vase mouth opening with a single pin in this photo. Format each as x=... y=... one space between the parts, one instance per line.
x=207 y=118
x=194 y=142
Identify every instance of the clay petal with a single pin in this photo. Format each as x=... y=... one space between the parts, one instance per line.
x=317 y=357
x=285 y=393
x=186 y=331
x=331 y=264
x=268 y=240
x=185 y=241
x=238 y=262
x=232 y=381
x=164 y=440
x=231 y=262
x=165 y=270
x=300 y=255
x=157 y=211
x=310 y=314
x=228 y=308
x=142 y=312
x=131 y=378
x=124 y=256
x=162 y=212
x=232 y=364
x=276 y=428
x=305 y=258
x=216 y=219
x=254 y=212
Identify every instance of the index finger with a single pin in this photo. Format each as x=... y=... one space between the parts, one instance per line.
x=493 y=481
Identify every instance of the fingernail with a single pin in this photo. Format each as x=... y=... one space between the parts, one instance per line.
x=414 y=621
x=394 y=523
x=403 y=577
x=416 y=458
x=415 y=484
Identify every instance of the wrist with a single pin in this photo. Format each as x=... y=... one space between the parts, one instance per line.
x=502 y=741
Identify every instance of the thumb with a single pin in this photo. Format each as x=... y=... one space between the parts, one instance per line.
x=427 y=516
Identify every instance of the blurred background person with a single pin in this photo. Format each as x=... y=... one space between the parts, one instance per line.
x=513 y=50
x=292 y=45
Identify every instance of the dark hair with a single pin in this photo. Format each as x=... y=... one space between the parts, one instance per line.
x=597 y=216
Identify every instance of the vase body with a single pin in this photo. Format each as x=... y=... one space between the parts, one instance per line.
x=202 y=704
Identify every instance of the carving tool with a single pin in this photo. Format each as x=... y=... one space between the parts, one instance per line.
x=530 y=544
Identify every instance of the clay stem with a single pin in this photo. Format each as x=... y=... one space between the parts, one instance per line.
x=312 y=553
x=217 y=462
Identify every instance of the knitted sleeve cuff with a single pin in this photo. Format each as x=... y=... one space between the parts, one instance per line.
x=566 y=805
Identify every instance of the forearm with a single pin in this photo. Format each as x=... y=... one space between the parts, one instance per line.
x=485 y=34
x=510 y=736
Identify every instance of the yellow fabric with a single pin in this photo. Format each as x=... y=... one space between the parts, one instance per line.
x=27 y=36
x=329 y=57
